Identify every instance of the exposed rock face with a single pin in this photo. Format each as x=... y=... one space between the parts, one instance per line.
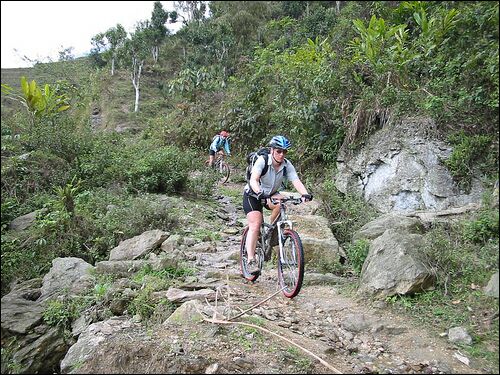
x=377 y=227
x=401 y=168
x=492 y=288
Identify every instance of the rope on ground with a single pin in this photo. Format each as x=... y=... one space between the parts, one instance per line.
x=231 y=321
x=323 y=362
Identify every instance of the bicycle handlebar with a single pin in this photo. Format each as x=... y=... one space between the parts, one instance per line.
x=292 y=200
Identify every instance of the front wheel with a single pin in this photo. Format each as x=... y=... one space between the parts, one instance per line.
x=225 y=171
x=291 y=264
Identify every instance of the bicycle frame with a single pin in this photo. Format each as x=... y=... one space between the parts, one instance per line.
x=280 y=224
x=291 y=253
x=219 y=161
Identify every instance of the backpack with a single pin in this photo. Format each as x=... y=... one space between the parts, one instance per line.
x=219 y=141
x=252 y=158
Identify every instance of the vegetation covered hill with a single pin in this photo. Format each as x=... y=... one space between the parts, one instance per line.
x=326 y=74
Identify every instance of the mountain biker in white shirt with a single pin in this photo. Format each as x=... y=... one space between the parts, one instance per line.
x=262 y=187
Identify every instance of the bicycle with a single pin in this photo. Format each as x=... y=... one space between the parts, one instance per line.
x=290 y=253
x=221 y=167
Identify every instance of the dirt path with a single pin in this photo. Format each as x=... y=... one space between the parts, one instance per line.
x=352 y=336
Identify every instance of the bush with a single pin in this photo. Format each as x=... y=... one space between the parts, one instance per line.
x=162 y=170
x=482 y=229
x=357 y=253
x=468 y=151
x=34 y=173
x=60 y=313
x=346 y=213
x=477 y=255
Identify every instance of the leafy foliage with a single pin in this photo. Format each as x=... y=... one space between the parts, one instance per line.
x=325 y=74
x=467 y=152
x=346 y=212
x=357 y=253
x=38 y=103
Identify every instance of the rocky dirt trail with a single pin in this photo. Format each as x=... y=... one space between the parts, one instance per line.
x=350 y=335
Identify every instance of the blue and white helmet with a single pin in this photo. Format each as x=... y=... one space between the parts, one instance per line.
x=278 y=141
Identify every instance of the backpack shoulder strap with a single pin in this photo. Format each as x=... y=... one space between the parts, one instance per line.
x=266 y=167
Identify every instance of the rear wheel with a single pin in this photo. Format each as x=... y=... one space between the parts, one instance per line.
x=291 y=264
x=244 y=257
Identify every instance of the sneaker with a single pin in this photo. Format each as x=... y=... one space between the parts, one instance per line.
x=252 y=267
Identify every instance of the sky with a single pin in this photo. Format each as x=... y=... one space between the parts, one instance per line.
x=38 y=29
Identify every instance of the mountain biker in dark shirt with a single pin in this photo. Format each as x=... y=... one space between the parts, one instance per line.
x=220 y=144
x=260 y=188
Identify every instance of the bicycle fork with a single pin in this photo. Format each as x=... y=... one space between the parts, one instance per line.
x=281 y=226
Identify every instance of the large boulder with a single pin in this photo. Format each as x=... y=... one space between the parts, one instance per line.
x=68 y=275
x=393 y=266
x=319 y=244
x=138 y=246
x=377 y=227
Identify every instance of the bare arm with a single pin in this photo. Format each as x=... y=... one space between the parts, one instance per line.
x=254 y=182
x=299 y=186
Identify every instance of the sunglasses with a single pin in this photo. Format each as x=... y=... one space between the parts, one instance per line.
x=279 y=151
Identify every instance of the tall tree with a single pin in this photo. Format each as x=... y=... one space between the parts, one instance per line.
x=110 y=41
x=135 y=52
x=195 y=10
x=158 y=31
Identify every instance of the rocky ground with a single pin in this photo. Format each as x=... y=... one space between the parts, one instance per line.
x=351 y=336
x=322 y=330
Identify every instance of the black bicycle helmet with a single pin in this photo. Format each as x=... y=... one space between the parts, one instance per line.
x=278 y=141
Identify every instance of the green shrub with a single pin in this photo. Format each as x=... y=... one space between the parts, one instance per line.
x=114 y=216
x=357 y=253
x=59 y=313
x=483 y=228
x=467 y=152
x=162 y=170
x=201 y=183
x=22 y=260
x=32 y=174
x=346 y=212
x=460 y=255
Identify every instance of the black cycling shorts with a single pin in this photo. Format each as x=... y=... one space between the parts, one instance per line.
x=252 y=204
x=211 y=152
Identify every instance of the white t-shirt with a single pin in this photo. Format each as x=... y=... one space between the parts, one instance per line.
x=272 y=180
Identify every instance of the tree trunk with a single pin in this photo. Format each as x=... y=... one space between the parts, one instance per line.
x=113 y=66
x=137 y=94
x=136 y=77
x=155 y=52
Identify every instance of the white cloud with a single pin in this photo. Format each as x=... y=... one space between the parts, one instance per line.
x=38 y=29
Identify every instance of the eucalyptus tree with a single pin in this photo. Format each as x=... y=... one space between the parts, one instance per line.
x=157 y=30
x=66 y=54
x=134 y=53
x=195 y=10
x=110 y=41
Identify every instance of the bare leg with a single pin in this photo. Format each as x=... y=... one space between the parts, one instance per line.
x=211 y=160
x=275 y=211
x=254 y=221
